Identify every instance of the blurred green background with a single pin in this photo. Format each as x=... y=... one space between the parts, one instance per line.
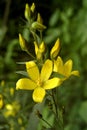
x=64 y=19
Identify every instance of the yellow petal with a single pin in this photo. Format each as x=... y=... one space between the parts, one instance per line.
x=52 y=83
x=58 y=65
x=39 y=55
x=55 y=68
x=32 y=70
x=46 y=70
x=1 y=101
x=42 y=47
x=68 y=68
x=55 y=50
x=75 y=72
x=38 y=94
x=26 y=84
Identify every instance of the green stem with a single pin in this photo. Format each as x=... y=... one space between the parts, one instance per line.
x=47 y=122
x=55 y=104
x=30 y=54
x=36 y=37
x=41 y=35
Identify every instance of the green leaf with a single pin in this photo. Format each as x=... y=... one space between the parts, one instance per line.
x=21 y=63
x=33 y=118
x=22 y=73
x=83 y=111
x=48 y=121
x=54 y=18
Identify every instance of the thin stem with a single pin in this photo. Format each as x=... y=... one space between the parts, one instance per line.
x=41 y=35
x=30 y=54
x=55 y=104
x=36 y=37
x=6 y=13
x=47 y=122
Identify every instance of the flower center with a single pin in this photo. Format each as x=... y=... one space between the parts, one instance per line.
x=39 y=82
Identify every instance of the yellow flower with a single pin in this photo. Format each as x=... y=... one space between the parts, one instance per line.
x=38 y=81
x=39 y=50
x=12 y=91
x=11 y=109
x=64 y=69
x=20 y=121
x=2 y=83
x=1 y=101
x=55 y=49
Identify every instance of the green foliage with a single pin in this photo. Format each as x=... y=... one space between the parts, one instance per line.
x=68 y=22
x=82 y=111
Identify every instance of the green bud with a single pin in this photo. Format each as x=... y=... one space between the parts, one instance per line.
x=38 y=26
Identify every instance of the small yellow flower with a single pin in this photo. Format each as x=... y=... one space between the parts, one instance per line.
x=2 y=83
x=64 y=69
x=11 y=109
x=12 y=91
x=55 y=50
x=38 y=81
x=20 y=121
x=1 y=101
x=39 y=50
x=23 y=43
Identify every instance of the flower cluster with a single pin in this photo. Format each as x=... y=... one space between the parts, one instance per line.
x=41 y=70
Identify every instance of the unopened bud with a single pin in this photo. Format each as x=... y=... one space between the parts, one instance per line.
x=39 y=19
x=39 y=50
x=55 y=49
x=42 y=47
x=33 y=7
x=27 y=12
x=38 y=26
x=23 y=43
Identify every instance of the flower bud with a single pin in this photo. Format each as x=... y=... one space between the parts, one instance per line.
x=38 y=26
x=55 y=49
x=42 y=47
x=39 y=19
x=33 y=7
x=39 y=50
x=36 y=48
x=27 y=12
x=23 y=43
